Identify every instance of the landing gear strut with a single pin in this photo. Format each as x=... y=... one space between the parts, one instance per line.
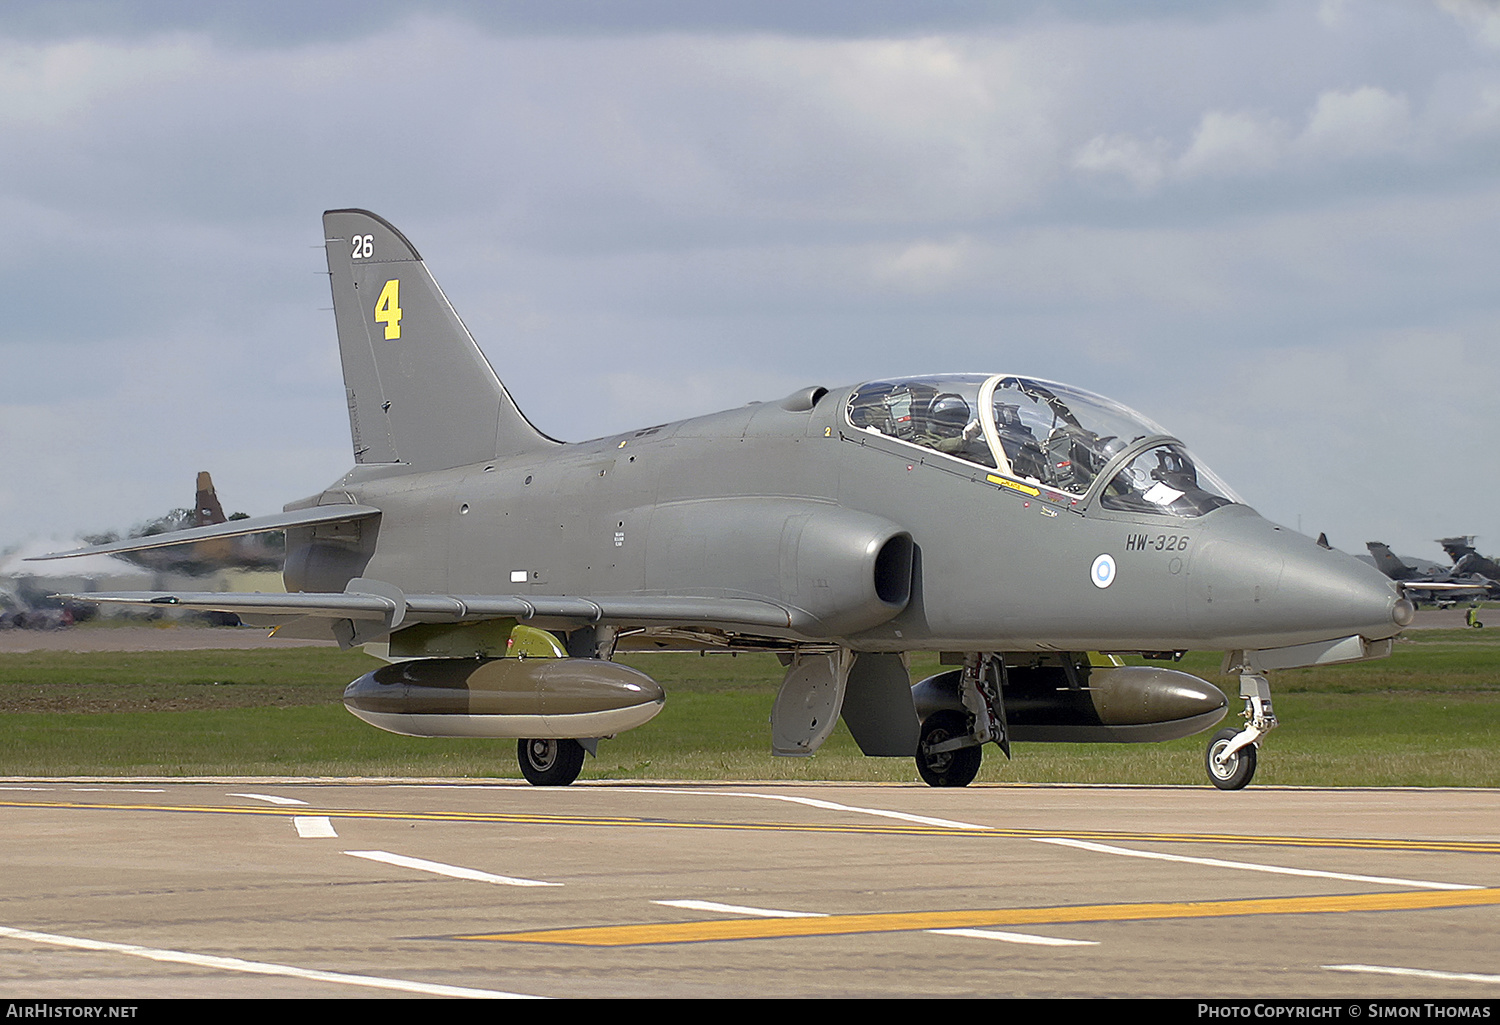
x=550 y=763
x=1230 y=759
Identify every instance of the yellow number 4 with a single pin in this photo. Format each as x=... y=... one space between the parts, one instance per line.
x=388 y=308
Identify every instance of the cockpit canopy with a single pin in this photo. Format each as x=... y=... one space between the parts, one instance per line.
x=1053 y=435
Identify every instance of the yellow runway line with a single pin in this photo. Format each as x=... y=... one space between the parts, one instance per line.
x=833 y=925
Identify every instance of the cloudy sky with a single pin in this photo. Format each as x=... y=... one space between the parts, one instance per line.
x=1273 y=227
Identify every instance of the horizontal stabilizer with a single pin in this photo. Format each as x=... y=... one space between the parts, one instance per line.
x=233 y=528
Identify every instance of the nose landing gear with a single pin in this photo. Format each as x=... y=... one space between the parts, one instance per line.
x=1231 y=754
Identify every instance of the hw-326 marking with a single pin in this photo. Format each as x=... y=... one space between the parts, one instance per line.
x=1156 y=543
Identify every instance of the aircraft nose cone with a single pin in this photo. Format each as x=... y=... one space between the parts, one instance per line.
x=1403 y=612
x=1335 y=589
x=1266 y=586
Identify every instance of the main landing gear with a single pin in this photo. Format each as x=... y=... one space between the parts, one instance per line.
x=947 y=755
x=1231 y=754
x=550 y=763
x=556 y=762
x=952 y=742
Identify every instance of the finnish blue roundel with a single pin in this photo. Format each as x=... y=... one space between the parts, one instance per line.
x=1102 y=573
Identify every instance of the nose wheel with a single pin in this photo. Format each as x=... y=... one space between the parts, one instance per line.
x=1230 y=758
x=1231 y=771
x=549 y=762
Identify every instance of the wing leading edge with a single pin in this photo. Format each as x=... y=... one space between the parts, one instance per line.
x=375 y=609
x=234 y=528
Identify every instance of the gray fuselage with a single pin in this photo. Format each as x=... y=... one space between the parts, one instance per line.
x=728 y=505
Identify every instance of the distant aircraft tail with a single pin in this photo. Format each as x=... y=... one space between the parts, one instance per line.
x=1389 y=562
x=421 y=393
x=206 y=508
x=1458 y=548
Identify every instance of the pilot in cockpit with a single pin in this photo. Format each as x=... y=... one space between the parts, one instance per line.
x=955 y=432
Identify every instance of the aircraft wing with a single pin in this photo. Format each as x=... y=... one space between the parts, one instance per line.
x=375 y=609
x=1443 y=585
x=233 y=528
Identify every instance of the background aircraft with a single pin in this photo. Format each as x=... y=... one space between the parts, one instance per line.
x=245 y=552
x=1471 y=576
x=1467 y=561
x=1396 y=567
x=1013 y=524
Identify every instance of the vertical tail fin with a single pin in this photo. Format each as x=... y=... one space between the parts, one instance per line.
x=206 y=508
x=1388 y=562
x=420 y=391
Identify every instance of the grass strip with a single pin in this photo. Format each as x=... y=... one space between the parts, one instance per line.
x=1428 y=716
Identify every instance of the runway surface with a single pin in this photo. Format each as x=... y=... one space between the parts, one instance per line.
x=277 y=888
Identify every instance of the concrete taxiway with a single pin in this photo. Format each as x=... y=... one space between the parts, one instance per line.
x=281 y=888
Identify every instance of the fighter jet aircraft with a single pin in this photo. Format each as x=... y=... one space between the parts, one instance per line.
x=1028 y=530
x=1395 y=567
x=1471 y=577
x=1469 y=563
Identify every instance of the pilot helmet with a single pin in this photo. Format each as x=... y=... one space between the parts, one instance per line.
x=949 y=415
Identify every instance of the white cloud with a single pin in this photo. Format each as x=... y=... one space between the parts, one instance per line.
x=915 y=127
x=1233 y=144
x=1482 y=17
x=1356 y=123
x=927 y=266
x=1143 y=164
x=1333 y=13
x=1341 y=125
x=48 y=85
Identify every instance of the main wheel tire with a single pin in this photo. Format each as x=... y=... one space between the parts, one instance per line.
x=1235 y=773
x=949 y=768
x=550 y=763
